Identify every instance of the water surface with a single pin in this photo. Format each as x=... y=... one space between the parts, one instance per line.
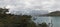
x=54 y=20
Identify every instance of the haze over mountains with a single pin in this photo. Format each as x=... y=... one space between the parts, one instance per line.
x=32 y=12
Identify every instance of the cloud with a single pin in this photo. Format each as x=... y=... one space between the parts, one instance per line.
x=27 y=6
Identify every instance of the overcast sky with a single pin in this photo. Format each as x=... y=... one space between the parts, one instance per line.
x=26 y=6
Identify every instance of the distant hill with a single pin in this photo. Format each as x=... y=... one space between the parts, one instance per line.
x=55 y=13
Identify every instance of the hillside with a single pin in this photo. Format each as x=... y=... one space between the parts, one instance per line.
x=55 y=13
x=11 y=20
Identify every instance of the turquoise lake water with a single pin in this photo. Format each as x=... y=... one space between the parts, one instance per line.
x=55 y=21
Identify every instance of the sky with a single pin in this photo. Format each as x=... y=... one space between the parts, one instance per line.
x=27 y=6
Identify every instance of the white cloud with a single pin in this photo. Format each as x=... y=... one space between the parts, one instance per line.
x=25 y=6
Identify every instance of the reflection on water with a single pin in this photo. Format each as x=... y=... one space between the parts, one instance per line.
x=54 y=21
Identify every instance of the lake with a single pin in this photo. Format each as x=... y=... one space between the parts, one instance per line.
x=54 y=21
